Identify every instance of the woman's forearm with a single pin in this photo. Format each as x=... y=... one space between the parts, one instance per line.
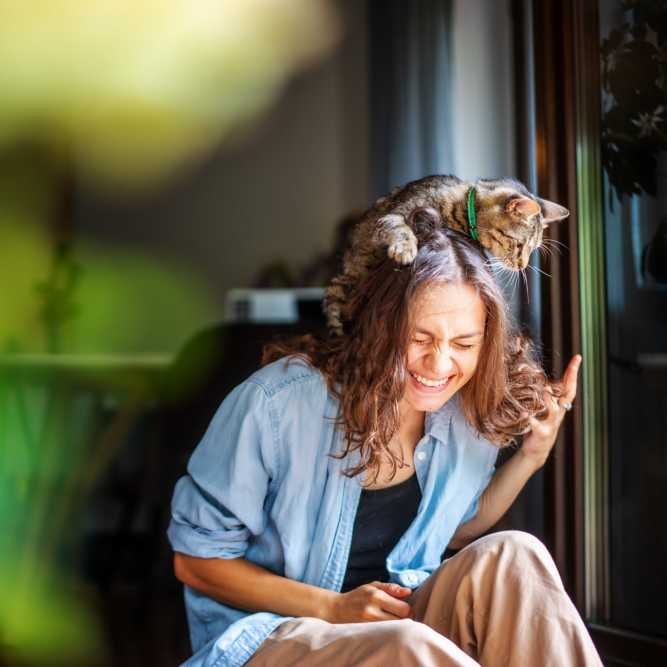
x=499 y=495
x=244 y=585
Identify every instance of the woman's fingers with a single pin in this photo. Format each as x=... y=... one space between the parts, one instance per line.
x=569 y=381
x=386 y=598
x=393 y=605
x=566 y=388
x=371 y=602
x=558 y=398
x=396 y=590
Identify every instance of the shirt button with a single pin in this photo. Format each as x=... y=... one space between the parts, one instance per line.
x=421 y=456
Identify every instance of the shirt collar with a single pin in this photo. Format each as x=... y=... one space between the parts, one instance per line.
x=437 y=423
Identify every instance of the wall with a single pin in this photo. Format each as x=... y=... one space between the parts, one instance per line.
x=278 y=192
x=483 y=90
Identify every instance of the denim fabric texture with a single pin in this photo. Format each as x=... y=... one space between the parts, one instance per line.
x=261 y=485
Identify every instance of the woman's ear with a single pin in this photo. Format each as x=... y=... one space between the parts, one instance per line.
x=552 y=212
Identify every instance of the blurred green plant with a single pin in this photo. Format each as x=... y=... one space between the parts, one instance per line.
x=58 y=306
x=120 y=94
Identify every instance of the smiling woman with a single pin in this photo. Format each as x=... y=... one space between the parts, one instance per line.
x=449 y=331
x=330 y=483
x=448 y=291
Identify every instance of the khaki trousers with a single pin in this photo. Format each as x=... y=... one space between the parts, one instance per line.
x=499 y=601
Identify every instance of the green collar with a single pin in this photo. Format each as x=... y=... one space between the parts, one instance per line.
x=472 y=215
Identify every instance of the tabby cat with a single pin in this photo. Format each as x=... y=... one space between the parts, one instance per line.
x=501 y=214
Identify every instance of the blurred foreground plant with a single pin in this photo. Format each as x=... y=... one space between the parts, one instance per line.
x=120 y=93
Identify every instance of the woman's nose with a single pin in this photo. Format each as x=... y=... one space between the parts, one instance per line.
x=441 y=361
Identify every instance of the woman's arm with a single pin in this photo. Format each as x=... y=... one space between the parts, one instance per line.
x=244 y=585
x=512 y=477
x=499 y=495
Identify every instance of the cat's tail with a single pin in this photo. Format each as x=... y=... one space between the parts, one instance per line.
x=334 y=298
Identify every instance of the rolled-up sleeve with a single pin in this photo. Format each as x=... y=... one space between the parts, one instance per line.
x=218 y=505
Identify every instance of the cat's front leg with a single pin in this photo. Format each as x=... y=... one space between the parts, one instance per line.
x=398 y=237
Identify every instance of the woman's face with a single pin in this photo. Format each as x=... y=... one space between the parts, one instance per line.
x=445 y=345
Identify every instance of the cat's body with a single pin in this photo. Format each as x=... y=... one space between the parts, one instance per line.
x=509 y=224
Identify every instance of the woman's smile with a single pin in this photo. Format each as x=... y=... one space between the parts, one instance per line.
x=430 y=385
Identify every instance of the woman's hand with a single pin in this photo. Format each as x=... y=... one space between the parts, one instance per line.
x=376 y=601
x=542 y=437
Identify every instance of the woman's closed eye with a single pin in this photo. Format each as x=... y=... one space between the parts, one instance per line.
x=421 y=341
x=458 y=346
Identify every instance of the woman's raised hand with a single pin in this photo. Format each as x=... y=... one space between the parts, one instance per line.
x=541 y=439
x=376 y=601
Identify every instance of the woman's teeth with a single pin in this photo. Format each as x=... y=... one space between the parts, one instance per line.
x=427 y=382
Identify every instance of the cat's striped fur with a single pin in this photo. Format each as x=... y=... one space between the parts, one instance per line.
x=510 y=222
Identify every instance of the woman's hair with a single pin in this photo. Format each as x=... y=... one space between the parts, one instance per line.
x=366 y=367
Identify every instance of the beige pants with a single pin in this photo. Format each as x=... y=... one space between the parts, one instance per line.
x=499 y=601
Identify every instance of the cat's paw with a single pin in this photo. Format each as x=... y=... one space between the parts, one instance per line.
x=404 y=250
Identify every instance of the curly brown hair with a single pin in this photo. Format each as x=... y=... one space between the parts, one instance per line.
x=366 y=367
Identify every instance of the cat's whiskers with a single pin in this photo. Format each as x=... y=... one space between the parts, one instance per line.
x=498 y=265
x=545 y=252
x=552 y=244
x=525 y=282
x=504 y=275
x=548 y=239
x=513 y=278
x=537 y=270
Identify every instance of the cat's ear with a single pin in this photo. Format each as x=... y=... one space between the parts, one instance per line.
x=552 y=212
x=522 y=207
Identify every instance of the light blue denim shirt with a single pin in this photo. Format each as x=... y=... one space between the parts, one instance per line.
x=260 y=485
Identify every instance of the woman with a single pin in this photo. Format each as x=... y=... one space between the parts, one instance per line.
x=329 y=484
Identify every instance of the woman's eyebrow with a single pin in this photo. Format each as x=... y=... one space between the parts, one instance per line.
x=469 y=335
x=472 y=334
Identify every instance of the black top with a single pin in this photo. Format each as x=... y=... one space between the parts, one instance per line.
x=382 y=517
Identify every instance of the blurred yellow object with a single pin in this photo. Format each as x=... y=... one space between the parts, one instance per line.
x=130 y=89
x=42 y=623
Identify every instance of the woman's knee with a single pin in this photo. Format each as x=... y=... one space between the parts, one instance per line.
x=415 y=643
x=518 y=540
x=407 y=634
x=524 y=551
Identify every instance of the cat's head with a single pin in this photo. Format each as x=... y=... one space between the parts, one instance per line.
x=511 y=220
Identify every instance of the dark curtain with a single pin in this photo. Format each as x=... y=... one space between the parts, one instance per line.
x=410 y=83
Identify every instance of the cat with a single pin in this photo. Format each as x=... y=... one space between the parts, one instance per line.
x=506 y=219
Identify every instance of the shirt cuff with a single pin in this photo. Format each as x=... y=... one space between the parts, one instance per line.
x=201 y=543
